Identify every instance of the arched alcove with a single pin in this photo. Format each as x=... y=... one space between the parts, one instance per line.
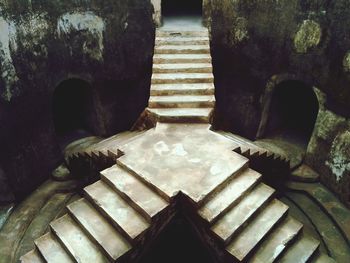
x=182 y=7
x=72 y=109
x=293 y=112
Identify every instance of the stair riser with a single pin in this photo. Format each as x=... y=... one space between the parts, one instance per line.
x=182 y=80
x=183 y=70
x=181 y=42
x=183 y=92
x=184 y=119
x=207 y=104
x=68 y=251
x=180 y=60
x=127 y=199
x=111 y=220
x=182 y=51
x=223 y=212
x=90 y=236
x=182 y=34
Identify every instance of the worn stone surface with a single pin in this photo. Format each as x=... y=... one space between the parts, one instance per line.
x=305 y=174
x=140 y=196
x=259 y=227
x=235 y=218
x=75 y=241
x=99 y=228
x=168 y=145
x=278 y=241
x=232 y=193
x=61 y=173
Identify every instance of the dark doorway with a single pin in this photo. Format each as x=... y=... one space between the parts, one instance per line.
x=293 y=112
x=181 y=7
x=177 y=243
x=72 y=110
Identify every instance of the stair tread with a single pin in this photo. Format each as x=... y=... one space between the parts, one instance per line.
x=119 y=211
x=76 y=241
x=97 y=226
x=182 y=65
x=235 y=218
x=182 y=86
x=277 y=242
x=322 y=258
x=188 y=33
x=181 y=75
x=183 y=112
x=182 y=98
x=51 y=249
x=32 y=257
x=187 y=56
x=253 y=233
x=228 y=196
x=139 y=194
x=182 y=47
x=301 y=251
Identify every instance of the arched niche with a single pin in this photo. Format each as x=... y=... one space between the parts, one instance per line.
x=290 y=109
x=73 y=110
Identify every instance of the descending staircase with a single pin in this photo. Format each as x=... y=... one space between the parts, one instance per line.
x=136 y=197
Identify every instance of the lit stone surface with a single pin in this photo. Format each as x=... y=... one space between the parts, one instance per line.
x=186 y=67
x=51 y=249
x=155 y=158
x=257 y=229
x=235 y=218
x=230 y=195
x=32 y=257
x=308 y=36
x=97 y=226
x=182 y=49
x=76 y=241
x=186 y=101
x=142 y=198
x=278 y=241
x=301 y=251
x=182 y=89
x=182 y=78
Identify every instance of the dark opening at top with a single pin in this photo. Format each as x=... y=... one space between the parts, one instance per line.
x=182 y=7
x=293 y=112
x=72 y=109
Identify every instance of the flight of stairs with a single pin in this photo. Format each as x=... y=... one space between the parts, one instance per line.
x=123 y=212
x=182 y=88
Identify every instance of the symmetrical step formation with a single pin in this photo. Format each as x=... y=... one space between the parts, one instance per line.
x=137 y=195
x=182 y=87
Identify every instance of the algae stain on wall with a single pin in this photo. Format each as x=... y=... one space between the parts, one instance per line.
x=8 y=70
x=89 y=24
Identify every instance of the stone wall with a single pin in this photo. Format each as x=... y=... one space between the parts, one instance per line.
x=107 y=43
x=255 y=42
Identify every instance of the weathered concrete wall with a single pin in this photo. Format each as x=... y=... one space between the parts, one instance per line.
x=254 y=40
x=107 y=43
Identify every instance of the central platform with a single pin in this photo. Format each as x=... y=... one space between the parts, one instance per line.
x=182 y=157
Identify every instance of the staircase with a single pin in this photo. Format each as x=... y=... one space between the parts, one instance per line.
x=182 y=87
x=136 y=196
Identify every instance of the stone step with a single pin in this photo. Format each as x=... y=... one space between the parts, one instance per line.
x=301 y=251
x=169 y=78
x=99 y=229
x=126 y=219
x=112 y=143
x=321 y=258
x=181 y=102
x=255 y=232
x=183 y=68
x=277 y=242
x=182 y=49
x=138 y=195
x=51 y=249
x=235 y=219
x=75 y=241
x=182 y=41
x=229 y=196
x=177 y=33
x=181 y=58
x=32 y=257
x=183 y=115
x=183 y=89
